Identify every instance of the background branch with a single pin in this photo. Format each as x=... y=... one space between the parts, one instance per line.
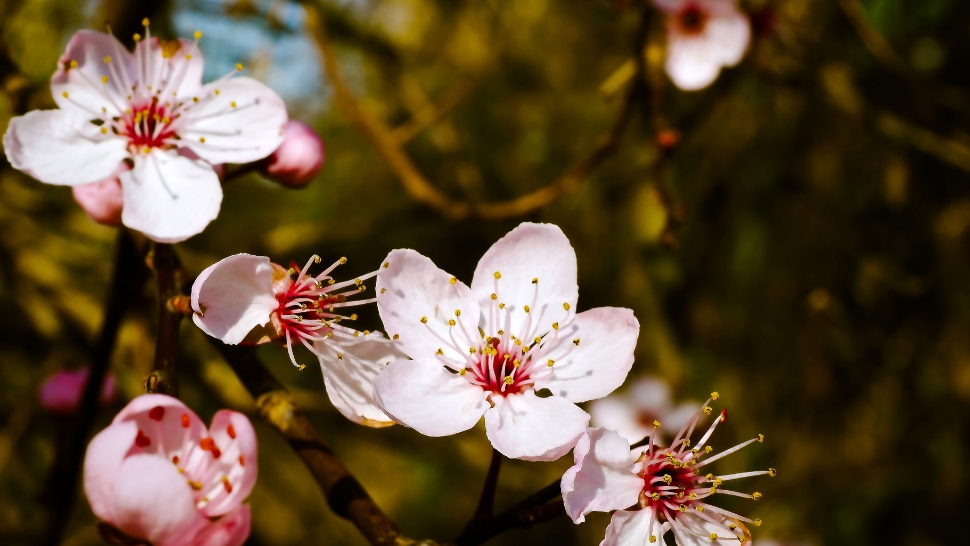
x=534 y=509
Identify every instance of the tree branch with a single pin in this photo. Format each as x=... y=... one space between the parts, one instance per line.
x=164 y=378
x=534 y=509
x=486 y=503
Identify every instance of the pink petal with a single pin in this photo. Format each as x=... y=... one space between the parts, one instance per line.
x=233 y=434
x=619 y=414
x=152 y=501
x=423 y=395
x=86 y=92
x=61 y=392
x=412 y=287
x=601 y=362
x=299 y=158
x=184 y=65
x=524 y=426
x=233 y=296
x=164 y=421
x=635 y=528
x=350 y=378
x=169 y=197
x=102 y=200
x=650 y=393
x=62 y=147
x=530 y=251
x=694 y=61
x=603 y=477
x=250 y=131
x=231 y=529
x=102 y=460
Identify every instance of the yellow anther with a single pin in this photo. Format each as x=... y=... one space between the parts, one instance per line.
x=202 y=139
x=576 y=342
x=383 y=290
x=73 y=63
x=195 y=99
x=107 y=59
x=761 y=437
x=216 y=92
x=198 y=34
x=104 y=130
x=396 y=337
x=772 y=472
x=718 y=482
x=232 y=104
x=104 y=79
x=535 y=280
x=566 y=306
x=656 y=424
x=501 y=306
x=700 y=508
x=537 y=339
x=555 y=325
x=707 y=410
x=713 y=490
x=472 y=350
x=757 y=522
x=497 y=275
x=713 y=536
x=732 y=526
x=516 y=362
x=708 y=449
x=340 y=356
x=353 y=316
x=439 y=351
x=507 y=356
x=343 y=259
x=508 y=380
x=709 y=477
x=145 y=150
x=457 y=312
x=64 y=94
x=188 y=56
x=501 y=332
x=144 y=22
x=756 y=495
x=715 y=395
x=330 y=335
x=692 y=496
x=668 y=479
x=682 y=507
x=462 y=372
x=424 y=320
x=518 y=342
x=526 y=308
x=451 y=322
x=136 y=37
x=453 y=280
x=302 y=367
x=494 y=296
x=356 y=333
x=387 y=264
x=239 y=67
x=550 y=362
x=653 y=538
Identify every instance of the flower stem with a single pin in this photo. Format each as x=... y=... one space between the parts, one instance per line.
x=487 y=501
x=164 y=378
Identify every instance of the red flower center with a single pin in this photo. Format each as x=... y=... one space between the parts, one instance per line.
x=692 y=19
x=148 y=126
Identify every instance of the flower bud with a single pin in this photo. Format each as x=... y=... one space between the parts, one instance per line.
x=61 y=392
x=298 y=159
x=102 y=200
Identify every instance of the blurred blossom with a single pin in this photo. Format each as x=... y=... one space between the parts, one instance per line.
x=702 y=37
x=634 y=412
x=248 y=299
x=150 y=110
x=102 y=201
x=61 y=392
x=156 y=474
x=299 y=158
x=664 y=486
x=511 y=347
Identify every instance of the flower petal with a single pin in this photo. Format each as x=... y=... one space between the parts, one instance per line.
x=152 y=501
x=102 y=201
x=694 y=61
x=702 y=530
x=170 y=197
x=60 y=147
x=616 y=413
x=524 y=426
x=94 y=89
x=603 y=477
x=349 y=371
x=102 y=460
x=231 y=529
x=601 y=361
x=233 y=296
x=241 y=120
x=411 y=287
x=425 y=396
x=177 y=72
x=635 y=529
x=164 y=421
x=530 y=251
x=235 y=437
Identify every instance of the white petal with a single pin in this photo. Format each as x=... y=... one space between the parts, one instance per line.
x=170 y=197
x=350 y=377
x=233 y=296
x=603 y=477
x=530 y=251
x=702 y=530
x=524 y=426
x=176 y=73
x=619 y=414
x=423 y=395
x=601 y=362
x=246 y=132
x=88 y=94
x=635 y=529
x=412 y=287
x=61 y=147
x=693 y=62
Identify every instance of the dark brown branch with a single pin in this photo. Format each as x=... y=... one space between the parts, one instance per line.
x=164 y=378
x=345 y=495
x=67 y=465
x=486 y=503
x=532 y=510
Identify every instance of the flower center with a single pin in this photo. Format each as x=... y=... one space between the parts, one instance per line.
x=148 y=126
x=692 y=19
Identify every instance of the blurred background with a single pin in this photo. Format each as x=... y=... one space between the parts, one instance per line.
x=797 y=240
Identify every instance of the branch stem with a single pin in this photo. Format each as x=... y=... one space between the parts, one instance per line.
x=486 y=503
x=164 y=378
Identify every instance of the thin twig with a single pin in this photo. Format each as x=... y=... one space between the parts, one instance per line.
x=486 y=503
x=430 y=113
x=164 y=378
x=67 y=465
x=532 y=510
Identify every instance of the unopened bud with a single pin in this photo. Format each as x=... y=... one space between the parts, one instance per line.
x=102 y=200
x=298 y=159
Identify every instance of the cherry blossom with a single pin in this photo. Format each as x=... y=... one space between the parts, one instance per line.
x=249 y=299
x=298 y=159
x=61 y=392
x=102 y=200
x=149 y=110
x=635 y=412
x=156 y=474
x=655 y=489
x=511 y=347
x=702 y=37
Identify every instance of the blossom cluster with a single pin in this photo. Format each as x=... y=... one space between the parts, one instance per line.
x=144 y=143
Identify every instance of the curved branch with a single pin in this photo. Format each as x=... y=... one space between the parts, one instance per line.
x=534 y=509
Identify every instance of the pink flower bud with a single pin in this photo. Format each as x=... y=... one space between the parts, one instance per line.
x=102 y=200
x=298 y=159
x=61 y=392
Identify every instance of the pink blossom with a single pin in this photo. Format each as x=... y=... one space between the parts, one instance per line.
x=102 y=200
x=655 y=489
x=248 y=299
x=634 y=412
x=299 y=158
x=156 y=474
x=61 y=392
x=150 y=110
x=511 y=347
x=702 y=37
